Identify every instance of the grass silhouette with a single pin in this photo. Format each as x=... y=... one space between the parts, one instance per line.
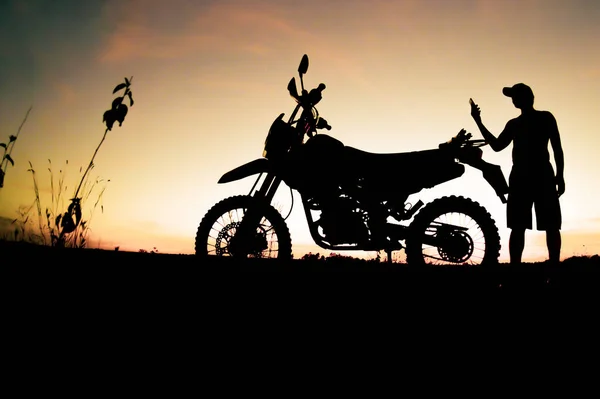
x=41 y=225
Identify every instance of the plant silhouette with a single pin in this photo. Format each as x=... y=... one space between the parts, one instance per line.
x=6 y=156
x=72 y=218
x=48 y=222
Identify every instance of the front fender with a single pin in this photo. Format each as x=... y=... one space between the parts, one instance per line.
x=261 y=165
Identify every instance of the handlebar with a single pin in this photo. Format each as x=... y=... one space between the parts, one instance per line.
x=463 y=139
x=322 y=124
x=316 y=95
x=308 y=100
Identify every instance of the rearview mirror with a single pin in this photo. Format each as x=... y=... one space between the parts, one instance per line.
x=292 y=88
x=303 y=67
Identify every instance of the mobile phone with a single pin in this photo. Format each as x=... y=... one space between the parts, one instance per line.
x=471 y=102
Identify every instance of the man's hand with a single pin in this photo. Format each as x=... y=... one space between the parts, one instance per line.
x=560 y=183
x=475 y=111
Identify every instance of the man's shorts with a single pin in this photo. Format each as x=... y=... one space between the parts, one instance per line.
x=539 y=193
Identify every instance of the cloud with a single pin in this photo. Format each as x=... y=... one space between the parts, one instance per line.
x=214 y=32
x=220 y=27
x=66 y=93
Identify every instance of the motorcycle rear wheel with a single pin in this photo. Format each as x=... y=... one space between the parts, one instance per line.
x=478 y=245
x=271 y=238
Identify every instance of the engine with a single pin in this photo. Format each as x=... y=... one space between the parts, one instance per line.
x=343 y=222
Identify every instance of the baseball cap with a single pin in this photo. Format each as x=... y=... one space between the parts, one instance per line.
x=519 y=90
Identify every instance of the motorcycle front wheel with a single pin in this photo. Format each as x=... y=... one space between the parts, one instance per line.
x=453 y=231
x=270 y=238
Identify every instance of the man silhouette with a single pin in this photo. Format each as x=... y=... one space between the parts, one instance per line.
x=532 y=181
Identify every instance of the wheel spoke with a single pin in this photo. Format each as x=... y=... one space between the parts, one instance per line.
x=454 y=246
x=218 y=236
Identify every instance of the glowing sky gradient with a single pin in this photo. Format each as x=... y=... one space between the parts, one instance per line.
x=210 y=77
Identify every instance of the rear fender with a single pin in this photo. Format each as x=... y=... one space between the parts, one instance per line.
x=260 y=165
x=493 y=175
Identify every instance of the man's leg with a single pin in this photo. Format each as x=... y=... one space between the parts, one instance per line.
x=553 y=241
x=516 y=245
x=549 y=218
x=518 y=217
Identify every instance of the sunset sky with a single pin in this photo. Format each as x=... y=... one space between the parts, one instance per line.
x=209 y=77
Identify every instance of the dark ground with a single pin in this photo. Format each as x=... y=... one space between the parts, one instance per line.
x=108 y=315
x=102 y=269
x=88 y=298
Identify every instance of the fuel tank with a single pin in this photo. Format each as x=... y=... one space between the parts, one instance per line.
x=317 y=166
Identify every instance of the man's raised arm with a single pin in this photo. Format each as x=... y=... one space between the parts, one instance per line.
x=497 y=144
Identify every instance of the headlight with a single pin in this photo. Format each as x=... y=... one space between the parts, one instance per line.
x=279 y=139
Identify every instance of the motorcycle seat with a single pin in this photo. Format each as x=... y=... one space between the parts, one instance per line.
x=392 y=161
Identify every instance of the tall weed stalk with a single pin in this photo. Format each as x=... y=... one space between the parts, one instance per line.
x=6 y=157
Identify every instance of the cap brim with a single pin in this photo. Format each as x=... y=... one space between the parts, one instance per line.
x=507 y=91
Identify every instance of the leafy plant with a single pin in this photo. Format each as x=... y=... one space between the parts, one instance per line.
x=6 y=157
x=68 y=228
x=72 y=218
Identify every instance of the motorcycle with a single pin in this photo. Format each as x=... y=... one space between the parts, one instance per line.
x=352 y=199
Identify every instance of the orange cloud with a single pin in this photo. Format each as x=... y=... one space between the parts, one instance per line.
x=199 y=31
x=66 y=93
x=219 y=27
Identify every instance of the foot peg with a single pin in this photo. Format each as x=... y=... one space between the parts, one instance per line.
x=408 y=213
x=413 y=209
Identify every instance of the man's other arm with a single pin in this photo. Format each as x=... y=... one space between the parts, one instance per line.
x=559 y=157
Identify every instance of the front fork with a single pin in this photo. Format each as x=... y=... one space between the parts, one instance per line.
x=242 y=241
x=268 y=188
